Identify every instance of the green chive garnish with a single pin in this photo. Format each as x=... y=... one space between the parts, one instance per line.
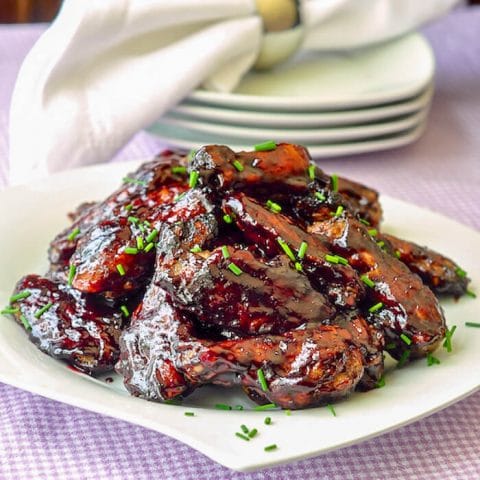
x=302 y=250
x=342 y=260
x=265 y=146
x=131 y=250
x=252 y=432
x=334 y=179
x=339 y=211
x=403 y=358
x=147 y=223
x=286 y=249
x=470 y=293
x=134 y=181
x=460 y=272
x=311 y=172
x=242 y=436
x=431 y=360
x=189 y=414
x=191 y=154
x=274 y=207
x=372 y=232
x=288 y=412
x=9 y=311
x=390 y=346
x=365 y=222
x=152 y=235
x=71 y=273
x=42 y=310
x=179 y=169
x=133 y=219
x=20 y=296
x=381 y=382
x=320 y=196
x=196 y=249
x=222 y=406
x=192 y=181
x=367 y=281
x=179 y=197
x=244 y=428
x=447 y=343
x=267 y=406
x=406 y=339
x=261 y=379
x=238 y=166
x=234 y=269
x=73 y=234
x=125 y=311
x=120 y=269
x=149 y=247
x=397 y=253
x=270 y=448
x=128 y=207
x=381 y=243
x=227 y=218
x=376 y=307
x=225 y=252
x=267 y=421
x=298 y=267
x=332 y=410
x=331 y=258
x=472 y=324
x=140 y=244
x=25 y=322
x=238 y=407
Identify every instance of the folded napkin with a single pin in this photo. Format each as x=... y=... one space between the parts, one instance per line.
x=107 y=68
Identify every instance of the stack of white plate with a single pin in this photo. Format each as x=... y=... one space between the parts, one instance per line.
x=336 y=104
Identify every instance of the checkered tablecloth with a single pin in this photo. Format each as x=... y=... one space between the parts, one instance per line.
x=40 y=438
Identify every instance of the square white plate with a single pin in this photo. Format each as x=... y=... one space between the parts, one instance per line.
x=29 y=218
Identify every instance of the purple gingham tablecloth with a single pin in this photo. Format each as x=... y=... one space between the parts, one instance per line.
x=40 y=438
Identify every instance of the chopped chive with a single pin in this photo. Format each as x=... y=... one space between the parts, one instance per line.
x=193 y=179
x=342 y=260
x=381 y=243
x=376 y=307
x=331 y=258
x=125 y=311
x=42 y=310
x=447 y=343
x=238 y=407
x=460 y=272
x=320 y=196
x=134 y=181
x=262 y=380
x=147 y=223
x=298 y=267
x=25 y=322
x=222 y=406
x=381 y=382
x=274 y=207
x=372 y=232
x=128 y=207
x=470 y=293
x=227 y=218
x=191 y=154
x=225 y=252
x=332 y=410
x=131 y=250
x=140 y=243
x=149 y=247
x=339 y=211
x=244 y=428
x=179 y=197
x=431 y=360
x=270 y=448
x=472 y=324
x=286 y=249
x=252 y=432
x=120 y=269
x=302 y=250
x=20 y=296
x=267 y=406
x=179 y=169
x=311 y=172
x=365 y=222
x=9 y=311
x=152 y=235
x=403 y=359
x=390 y=346
x=406 y=339
x=71 y=273
x=265 y=146
x=133 y=219
x=334 y=179
x=288 y=412
x=234 y=269
x=367 y=281
x=196 y=249
x=238 y=166
x=73 y=234
x=397 y=253
x=141 y=228
x=242 y=436
x=267 y=421
x=189 y=414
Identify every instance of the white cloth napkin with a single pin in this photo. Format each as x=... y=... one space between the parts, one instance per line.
x=107 y=68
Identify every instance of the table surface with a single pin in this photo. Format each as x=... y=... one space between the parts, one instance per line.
x=40 y=438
